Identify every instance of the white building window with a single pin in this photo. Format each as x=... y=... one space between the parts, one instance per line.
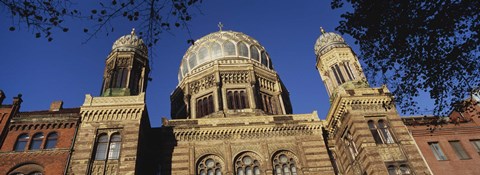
x=437 y=151
x=476 y=145
x=459 y=150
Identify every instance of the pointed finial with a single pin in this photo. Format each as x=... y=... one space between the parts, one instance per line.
x=220 y=25
x=133 y=32
x=321 y=30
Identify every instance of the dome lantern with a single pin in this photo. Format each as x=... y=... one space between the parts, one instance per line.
x=130 y=42
x=328 y=41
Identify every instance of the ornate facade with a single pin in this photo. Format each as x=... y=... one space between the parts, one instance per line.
x=230 y=115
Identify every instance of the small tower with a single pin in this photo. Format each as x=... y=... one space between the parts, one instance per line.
x=337 y=64
x=364 y=132
x=126 y=67
x=112 y=125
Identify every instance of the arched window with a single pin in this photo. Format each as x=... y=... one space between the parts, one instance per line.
x=242 y=49
x=346 y=65
x=392 y=170
x=284 y=163
x=102 y=145
x=352 y=147
x=374 y=131
x=338 y=74
x=192 y=61
x=237 y=99
x=21 y=142
x=215 y=50
x=120 y=77
x=204 y=105
x=268 y=104
x=264 y=59
x=337 y=78
x=202 y=55
x=180 y=77
x=184 y=68
x=51 y=140
x=236 y=96
x=247 y=164
x=199 y=107
x=36 y=141
x=230 y=101
x=243 y=98
x=27 y=169
x=210 y=165
x=229 y=48
x=114 y=148
x=210 y=104
x=385 y=132
x=404 y=169
x=254 y=53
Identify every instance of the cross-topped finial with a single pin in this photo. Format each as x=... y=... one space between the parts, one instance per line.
x=220 y=25
x=133 y=32
x=321 y=30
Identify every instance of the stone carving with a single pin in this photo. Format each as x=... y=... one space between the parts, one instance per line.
x=204 y=83
x=206 y=152
x=123 y=61
x=246 y=133
x=234 y=77
x=112 y=114
x=266 y=83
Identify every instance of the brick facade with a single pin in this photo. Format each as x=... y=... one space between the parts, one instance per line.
x=57 y=127
x=463 y=127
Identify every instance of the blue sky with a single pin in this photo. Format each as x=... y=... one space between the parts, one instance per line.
x=66 y=69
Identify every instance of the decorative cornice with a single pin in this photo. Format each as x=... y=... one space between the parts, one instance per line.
x=113 y=101
x=246 y=127
x=246 y=133
x=118 y=114
x=379 y=100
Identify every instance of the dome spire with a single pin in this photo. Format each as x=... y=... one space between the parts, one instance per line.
x=220 y=25
x=321 y=30
x=133 y=32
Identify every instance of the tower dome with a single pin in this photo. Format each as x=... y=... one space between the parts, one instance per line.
x=328 y=41
x=130 y=42
x=223 y=45
x=126 y=67
x=337 y=64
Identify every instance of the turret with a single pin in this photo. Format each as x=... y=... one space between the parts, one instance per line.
x=337 y=64
x=126 y=68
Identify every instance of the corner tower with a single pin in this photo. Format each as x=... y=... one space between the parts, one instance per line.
x=365 y=134
x=337 y=64
x=113 y=126
x=126 y=67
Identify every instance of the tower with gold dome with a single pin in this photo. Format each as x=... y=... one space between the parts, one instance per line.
x=114 y=125
x=364 y=132
x=231 y=114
